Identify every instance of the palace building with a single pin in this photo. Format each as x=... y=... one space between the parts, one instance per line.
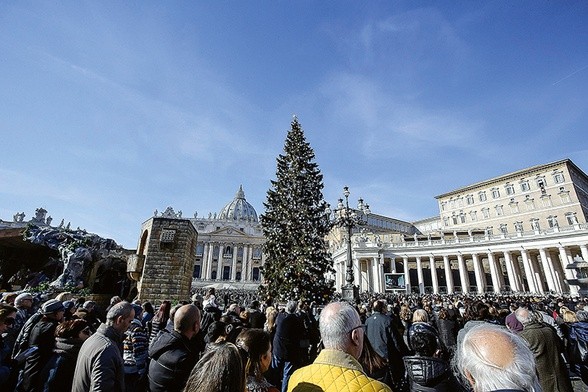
x=515 y=232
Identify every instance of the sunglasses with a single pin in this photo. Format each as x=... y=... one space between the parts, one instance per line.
x=362 y=326
x=8 y=321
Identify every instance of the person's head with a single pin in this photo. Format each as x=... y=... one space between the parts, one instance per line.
x=138 y=310
x=8 y=298
x=582 y=315
x=420 y=315
x=216 y=332
x=73 y=329
x=291 y=307
x=23 y=301
x=114 y=300
x=379 y=306
x=234 y=308
x=424 y=344
x=210 y=292
x=70 y=307
x=443 y=314
x=525 y=316
x=492 y=358
x=341 y=328
x=568 y=315
x=271 y=314
x=224 y=362
x=64 y=296
x=258 y=351
x=90 y=306
x=148 y=307
x=53 y=310
x=7 y=315
x=254 y=304
x=120 y=316
x=162 y=314
x=187 y=320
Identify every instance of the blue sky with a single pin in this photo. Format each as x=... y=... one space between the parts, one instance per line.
x=110 y=110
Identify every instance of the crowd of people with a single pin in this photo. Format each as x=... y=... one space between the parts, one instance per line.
x=232 y=341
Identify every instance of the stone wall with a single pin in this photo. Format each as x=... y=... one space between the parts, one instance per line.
x=169 y=260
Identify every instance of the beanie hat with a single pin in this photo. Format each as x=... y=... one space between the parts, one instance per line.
x=138 y=309
x=88 y=304
x=52 y=306
x=21 y=297
x=68 y=304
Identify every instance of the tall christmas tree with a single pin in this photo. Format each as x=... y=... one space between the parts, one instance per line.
x=295 y=225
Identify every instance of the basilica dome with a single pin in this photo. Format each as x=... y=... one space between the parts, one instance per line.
x=238 y=209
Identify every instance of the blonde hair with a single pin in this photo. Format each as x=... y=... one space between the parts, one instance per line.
x=420 y=315
x=568 y=315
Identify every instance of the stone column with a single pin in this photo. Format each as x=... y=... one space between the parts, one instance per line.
x=210 y=260
x=420 y=275
x=448 y=275
x=584 y=251
x=566 y=258
x=463 y=274
x=434 y=274
x=494 y=272
x=479 y=273
x=234 y=264
x=548 y=270
x=392 y=264
x=380 y=271
x=529 y=272
x=244 y=264
x=205 y=261
x=219 y=267
x=537 y=272
x=512 y=277
x=558 y=273
x=406 y=274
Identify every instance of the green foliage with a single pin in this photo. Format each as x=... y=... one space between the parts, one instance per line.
x=295 y=226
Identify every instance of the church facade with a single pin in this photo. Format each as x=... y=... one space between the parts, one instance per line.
x=229 y=249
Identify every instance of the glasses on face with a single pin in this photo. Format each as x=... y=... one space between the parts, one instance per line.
x=86 y=331
x=362 y=326
x=8 y=321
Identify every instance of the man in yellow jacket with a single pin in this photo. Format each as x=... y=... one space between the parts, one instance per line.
x=336 y=368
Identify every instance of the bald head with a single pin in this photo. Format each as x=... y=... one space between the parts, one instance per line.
x=494 y=346
x=187 y=320
x=492 y=358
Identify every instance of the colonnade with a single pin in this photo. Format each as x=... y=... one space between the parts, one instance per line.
x=212 y=261
x=500 y=266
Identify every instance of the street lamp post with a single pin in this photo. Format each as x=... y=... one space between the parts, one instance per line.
x=348 y=218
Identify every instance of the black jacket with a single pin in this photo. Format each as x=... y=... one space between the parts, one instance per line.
x=426 y=374
x=42 y=336
x=286 y=344
x=447 y=333
x=172 y=358
x=58 y=373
